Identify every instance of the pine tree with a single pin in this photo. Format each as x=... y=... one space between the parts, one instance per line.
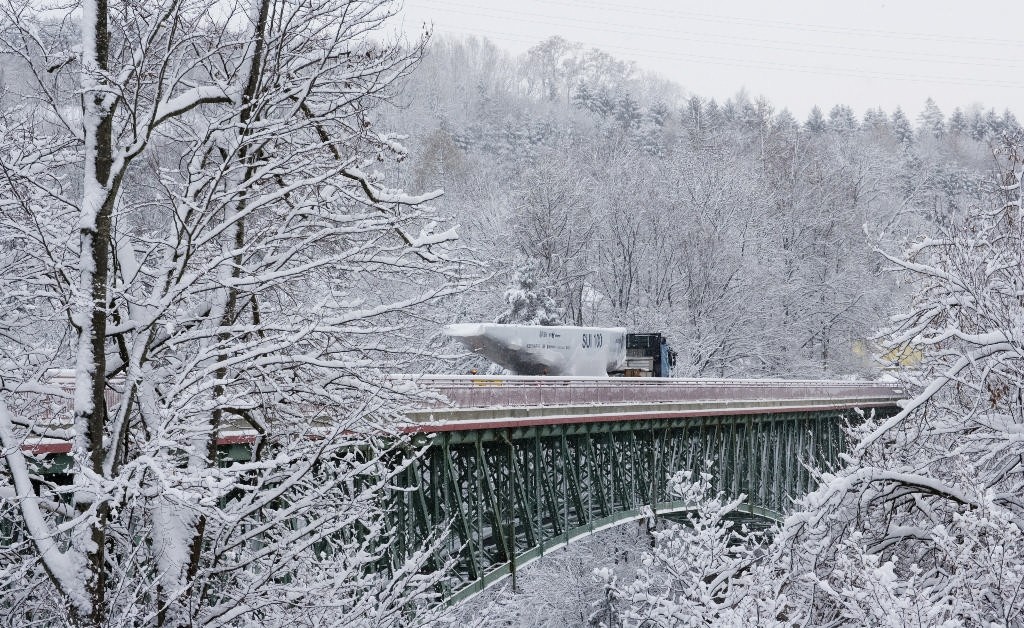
x=993 y=123
x=876 y=119
x=692 y=113
x=627 y=112
x=1010 y=126
x=841 y=120
x=604 y=102
x=931 y=119
x=650 y=138
x=730 y=113
x=901 y=127
x=583 y=97
x=785 y=122
x=958 y=122
x=978 y=127
x=713 y=116
x=815 y=123
x=528 y=302
x=659 y=113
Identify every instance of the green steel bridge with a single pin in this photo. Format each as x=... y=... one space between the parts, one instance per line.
x=517 y=466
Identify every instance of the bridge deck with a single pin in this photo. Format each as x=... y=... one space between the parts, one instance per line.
x=472 y=402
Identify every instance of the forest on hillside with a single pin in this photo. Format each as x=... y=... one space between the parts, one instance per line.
x=750 y=237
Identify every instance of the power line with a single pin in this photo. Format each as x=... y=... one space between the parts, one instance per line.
x=662 y=14
x=745 y=41
x=763 y=65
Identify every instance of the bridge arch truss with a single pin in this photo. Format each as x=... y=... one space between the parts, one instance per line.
x=511 y=493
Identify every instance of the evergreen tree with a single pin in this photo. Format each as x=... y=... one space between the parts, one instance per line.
x=841 y=120
x=876 y=119
x=993 y=123
x=958 y=122
x=1009 y=126
x=659 y=113
x=730 y=113
x=651 y=137
x=528 y=302
x=931 y=119
x=815 y=121
x=756 y=117
x=978 y=126
x=785 y=122
x=627 y=112
x=693 y=114
x=713 y=115
x=901 y=127
x=693 y=117
x=604 y=103
x=583 y=97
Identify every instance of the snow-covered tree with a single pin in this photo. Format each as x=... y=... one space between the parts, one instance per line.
x=550 y=66
x=923 y=524
x=932 y=121
x=875 y=119
x=687 y=574
x=841 y=120
x=627 y=112
x=192 y=225
x=983 y=124
x=901 y=127
x=552 y=225
x=958 y=122
x=815 y=121
x=528 y=299
x=1012 y=131
x=583 y=97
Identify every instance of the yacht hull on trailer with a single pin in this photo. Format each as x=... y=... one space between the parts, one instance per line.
x=541 y=350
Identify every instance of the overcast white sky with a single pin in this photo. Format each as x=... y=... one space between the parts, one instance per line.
x=797 y=53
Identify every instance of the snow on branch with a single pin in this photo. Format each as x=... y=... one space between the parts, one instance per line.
x=64 y=567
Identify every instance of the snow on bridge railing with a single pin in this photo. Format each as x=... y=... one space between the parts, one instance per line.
x=477 y=391
x=438 y=392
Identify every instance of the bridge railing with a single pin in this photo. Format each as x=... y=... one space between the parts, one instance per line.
x=474 y=391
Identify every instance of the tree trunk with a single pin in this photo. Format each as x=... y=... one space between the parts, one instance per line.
x=97 y=205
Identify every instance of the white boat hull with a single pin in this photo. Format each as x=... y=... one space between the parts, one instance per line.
x=539 y=350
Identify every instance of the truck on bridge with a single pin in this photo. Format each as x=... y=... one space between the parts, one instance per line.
x=568 y=351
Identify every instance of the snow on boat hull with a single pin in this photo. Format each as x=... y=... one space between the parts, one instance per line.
x=537 y=350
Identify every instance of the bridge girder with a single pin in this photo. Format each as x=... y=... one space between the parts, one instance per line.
x=509 y=495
